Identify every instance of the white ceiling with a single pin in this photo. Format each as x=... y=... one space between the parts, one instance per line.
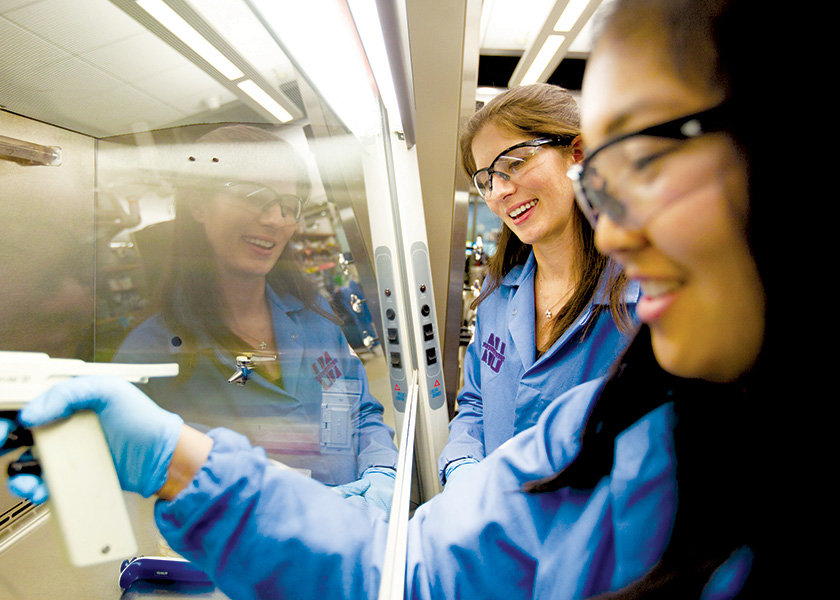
x=509 y=26
x=88 y=66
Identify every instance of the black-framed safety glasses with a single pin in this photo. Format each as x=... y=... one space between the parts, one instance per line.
x=260 y=198
x=513 y=162
x=612 y=178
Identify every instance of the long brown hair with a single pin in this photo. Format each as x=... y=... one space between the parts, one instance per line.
x=539 y=110
x=188 y=300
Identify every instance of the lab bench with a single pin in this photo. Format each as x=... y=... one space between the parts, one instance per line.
x=33 y=567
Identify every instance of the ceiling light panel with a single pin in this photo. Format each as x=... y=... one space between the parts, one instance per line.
x=331 y=55
x=263 y=99
x=570 y=15
x=234 y=21
x=226 y=40
x=511 y=25
x=187 y=34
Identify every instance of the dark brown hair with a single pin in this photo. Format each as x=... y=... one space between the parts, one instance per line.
x=723 y=432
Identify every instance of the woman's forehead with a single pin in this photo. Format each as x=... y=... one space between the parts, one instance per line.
x=492 y=139
x=625 y=91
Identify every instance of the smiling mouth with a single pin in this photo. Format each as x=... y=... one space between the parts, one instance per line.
x=522 y=209
x=265 y=244
x=655 y=289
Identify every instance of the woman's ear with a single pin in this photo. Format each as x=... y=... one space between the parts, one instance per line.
x=577 y=149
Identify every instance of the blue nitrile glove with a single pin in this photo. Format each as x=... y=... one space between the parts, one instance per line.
x=5 y=427
x=28 y=486
x=376 y=487
x=457 y=469
x=142 y=436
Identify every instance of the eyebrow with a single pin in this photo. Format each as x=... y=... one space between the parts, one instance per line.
x=618 y=124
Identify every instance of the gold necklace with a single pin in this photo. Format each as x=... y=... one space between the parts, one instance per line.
x=548 y=311
x=262 y=345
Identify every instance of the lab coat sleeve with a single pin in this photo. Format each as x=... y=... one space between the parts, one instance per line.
x=265 y=532
x=466 y=430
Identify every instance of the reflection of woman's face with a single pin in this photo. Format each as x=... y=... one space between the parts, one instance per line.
x=702 y=296
x=247 y=240
x=538 y=206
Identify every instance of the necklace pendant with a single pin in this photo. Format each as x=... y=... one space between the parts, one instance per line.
x=547 y=313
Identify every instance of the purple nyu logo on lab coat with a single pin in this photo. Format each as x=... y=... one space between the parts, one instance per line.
x=326 y=370
x=493 y=352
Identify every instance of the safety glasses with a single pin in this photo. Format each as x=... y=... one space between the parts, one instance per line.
x=260 y=198
x=619 y=178
x=514 y=162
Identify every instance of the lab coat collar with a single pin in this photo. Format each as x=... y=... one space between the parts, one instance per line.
x=524 y=274
x=520 y=289
x=289 y=334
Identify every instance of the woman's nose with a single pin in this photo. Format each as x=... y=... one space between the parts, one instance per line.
x=501 y=187
x=273 y=213
x=612 y=238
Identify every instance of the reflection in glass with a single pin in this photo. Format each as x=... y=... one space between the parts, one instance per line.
x=227 y=281
x=104 y=252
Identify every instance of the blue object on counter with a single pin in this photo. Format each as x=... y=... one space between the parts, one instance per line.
x=160 y=568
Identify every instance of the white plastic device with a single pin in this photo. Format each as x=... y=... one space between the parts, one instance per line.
x=85 y=494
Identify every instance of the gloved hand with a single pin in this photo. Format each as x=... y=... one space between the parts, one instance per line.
x=376 y=487
x=6 y=427
x=141 y=435
x=28 y=486
x=457 y=469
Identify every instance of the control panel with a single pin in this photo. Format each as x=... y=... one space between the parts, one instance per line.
x=428 y=325
x=395 y=340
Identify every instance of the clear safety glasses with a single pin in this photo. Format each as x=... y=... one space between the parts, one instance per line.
x=260 y=198
x=514 y=162
x=622 y=178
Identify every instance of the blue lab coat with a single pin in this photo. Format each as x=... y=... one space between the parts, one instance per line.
x=323 y=420
x=265 y=532
x=506 y=387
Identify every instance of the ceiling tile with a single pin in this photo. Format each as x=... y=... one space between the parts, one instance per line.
x=137 y=57
x=68 y=23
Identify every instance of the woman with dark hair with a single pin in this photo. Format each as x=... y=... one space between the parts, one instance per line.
x=553 y=312
x=667 y=479
x=232 y=287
